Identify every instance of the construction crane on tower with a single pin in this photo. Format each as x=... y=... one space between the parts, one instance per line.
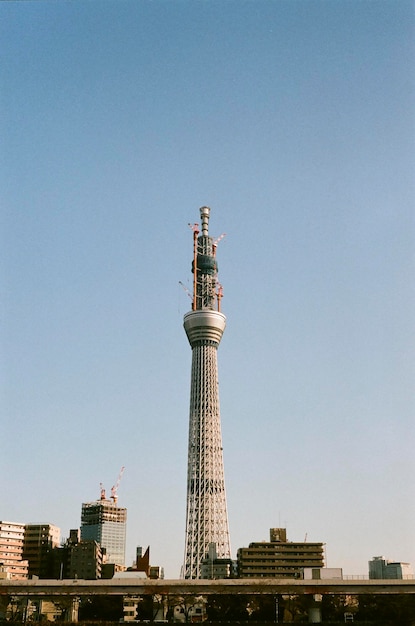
x=200 y=255
x=114 y=488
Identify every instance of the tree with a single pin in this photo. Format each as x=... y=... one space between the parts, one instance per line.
x=107 y=608
x=390 y=610
x=186 y=603
x=226 y=608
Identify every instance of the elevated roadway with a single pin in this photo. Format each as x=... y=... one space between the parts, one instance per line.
x=263 y=586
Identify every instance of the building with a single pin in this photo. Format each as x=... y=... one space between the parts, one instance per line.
x=85 y=560
x=142 y=561
x=105 y=522
x=278 y=558
x=77 y=558
x=323 y=573
x=380 y=568
x=206 y=511
x=39 y=543
x=214 y=568
x=11 y=550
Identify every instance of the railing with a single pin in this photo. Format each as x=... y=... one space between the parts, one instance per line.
x=366 y=577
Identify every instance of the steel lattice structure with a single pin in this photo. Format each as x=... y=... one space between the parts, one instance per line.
x=206 y=515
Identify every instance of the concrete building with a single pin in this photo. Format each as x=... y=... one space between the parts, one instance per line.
x=323 y=573
x=206 y=510
x=77 y=559
x=278 y=558
x=380 y=568
x=11 y=550
x=85 y=560
x=105 y=522
x=215 y=568
x=39 y=542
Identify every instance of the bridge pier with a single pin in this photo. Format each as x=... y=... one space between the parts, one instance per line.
x=314 y=609
x=73 y=613
x=69 y=607
x=4 y=603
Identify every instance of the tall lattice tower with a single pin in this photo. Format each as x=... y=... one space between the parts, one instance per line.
x=206 y=515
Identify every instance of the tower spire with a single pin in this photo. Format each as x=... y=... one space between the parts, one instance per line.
x=206 y=514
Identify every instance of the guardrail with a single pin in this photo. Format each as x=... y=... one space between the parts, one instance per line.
x=366 y=577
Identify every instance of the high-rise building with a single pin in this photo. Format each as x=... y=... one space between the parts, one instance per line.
x=206 y=515
x=279 y=558
x=11 y=550
x=39 y=543
x=105 y=522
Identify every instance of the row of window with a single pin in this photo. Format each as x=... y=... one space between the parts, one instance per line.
x=280 y=557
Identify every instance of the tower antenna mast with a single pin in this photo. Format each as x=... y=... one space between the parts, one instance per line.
x=206 y=514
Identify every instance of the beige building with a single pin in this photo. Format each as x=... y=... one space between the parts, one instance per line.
x=278 y=558
x=39 y=541
x=11 y=550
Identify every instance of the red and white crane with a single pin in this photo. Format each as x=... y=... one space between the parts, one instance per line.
x=114 y=488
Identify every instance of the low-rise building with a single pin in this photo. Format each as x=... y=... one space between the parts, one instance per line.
x=279 y=558
x=380 y=568
x=323 y=573
x=215 y=568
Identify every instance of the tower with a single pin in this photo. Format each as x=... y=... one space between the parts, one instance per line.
x=206 y=514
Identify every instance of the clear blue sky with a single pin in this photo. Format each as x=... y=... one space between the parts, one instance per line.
x=294 y=121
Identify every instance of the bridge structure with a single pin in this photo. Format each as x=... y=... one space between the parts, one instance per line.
x=250 y=586
x=68 y=593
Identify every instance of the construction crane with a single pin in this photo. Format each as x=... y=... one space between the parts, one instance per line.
x=195 y=229
x=219 y=295
x=215 y=243
x=114 y=488
x=102 y=492
x=186 y=290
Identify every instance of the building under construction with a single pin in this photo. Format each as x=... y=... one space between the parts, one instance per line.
x=106 y=523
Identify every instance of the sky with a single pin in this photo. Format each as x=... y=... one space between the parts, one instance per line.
x=294 y=121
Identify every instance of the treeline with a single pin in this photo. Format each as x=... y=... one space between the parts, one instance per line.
x=232 y=609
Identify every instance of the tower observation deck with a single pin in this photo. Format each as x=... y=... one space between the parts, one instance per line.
x=206 y=514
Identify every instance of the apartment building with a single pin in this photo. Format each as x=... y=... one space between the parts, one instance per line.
x=278 y=558
x=11 y=550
